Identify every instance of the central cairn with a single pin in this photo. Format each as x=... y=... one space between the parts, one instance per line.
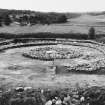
x=49 y=53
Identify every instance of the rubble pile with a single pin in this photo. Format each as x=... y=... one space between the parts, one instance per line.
x=29 y=96
x=50 y=53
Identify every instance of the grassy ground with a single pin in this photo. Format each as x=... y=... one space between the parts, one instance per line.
x=16 y=69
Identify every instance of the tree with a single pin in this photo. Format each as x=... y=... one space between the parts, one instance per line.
x=1 y=19
x=32 y=20
x=62 y=19
x=91 y=33
x=7 y=20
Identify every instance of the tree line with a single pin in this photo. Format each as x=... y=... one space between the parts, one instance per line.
x=41 y=19
x=5 y=20
x=30 y=18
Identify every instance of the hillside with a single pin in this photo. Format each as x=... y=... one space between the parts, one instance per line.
x=79 y=24
x=76 y=23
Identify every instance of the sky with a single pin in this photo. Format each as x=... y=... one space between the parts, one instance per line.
x=54 y=5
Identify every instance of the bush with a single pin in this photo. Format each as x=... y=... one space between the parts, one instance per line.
x=92 y=33
x=45 y=35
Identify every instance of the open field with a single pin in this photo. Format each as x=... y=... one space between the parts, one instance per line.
x=80 y=24
x=18 y=70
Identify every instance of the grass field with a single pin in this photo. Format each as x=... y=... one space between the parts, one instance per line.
x=80 y=24
x=18 y=70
